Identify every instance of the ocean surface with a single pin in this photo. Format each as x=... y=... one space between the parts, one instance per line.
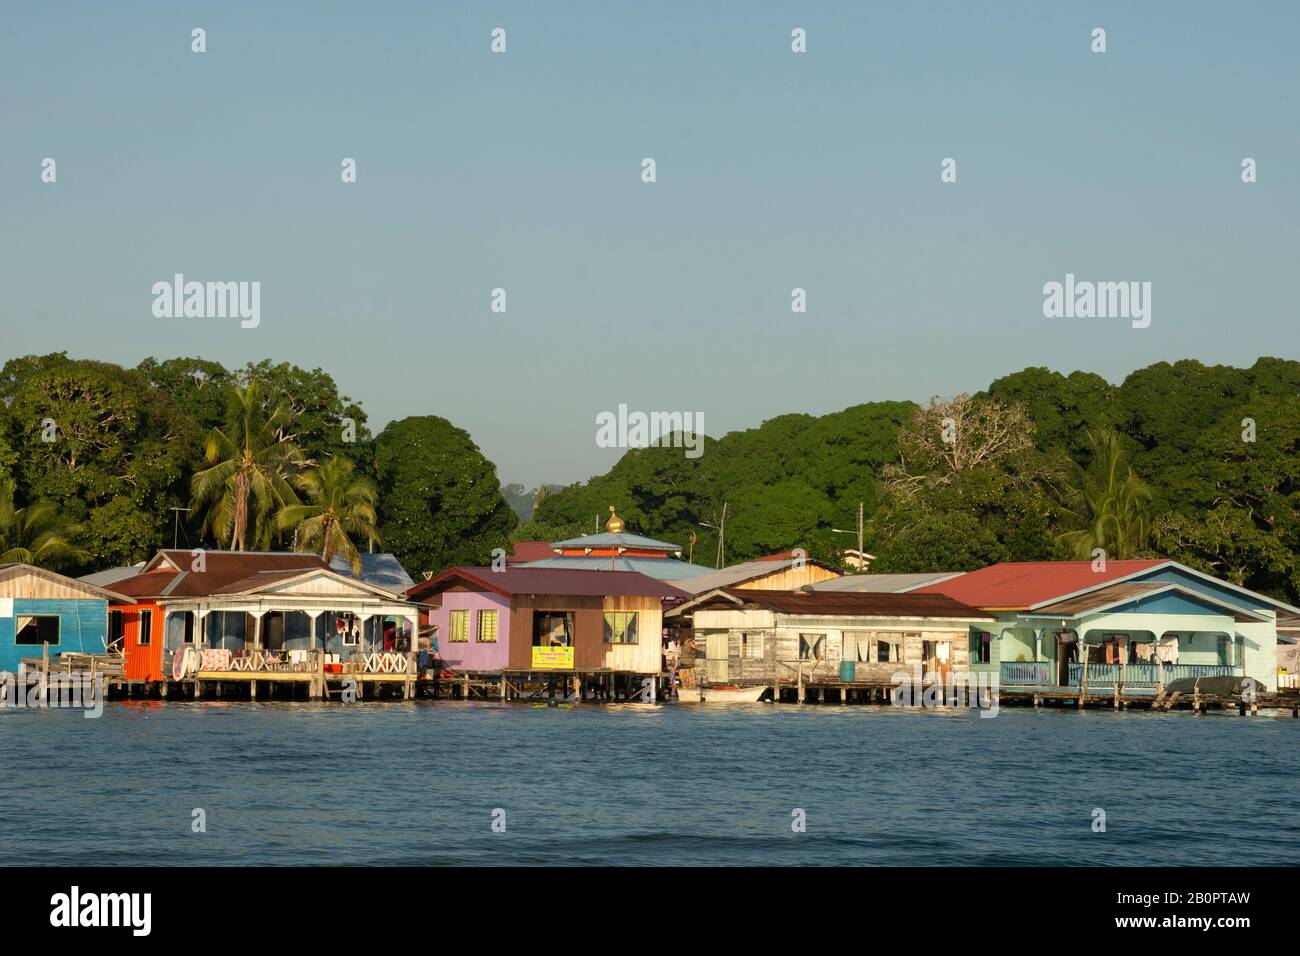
x=418 y=784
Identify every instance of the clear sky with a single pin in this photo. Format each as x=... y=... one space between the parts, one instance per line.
x=775 y=170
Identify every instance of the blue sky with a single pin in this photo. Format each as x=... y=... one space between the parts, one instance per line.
x=775 y=171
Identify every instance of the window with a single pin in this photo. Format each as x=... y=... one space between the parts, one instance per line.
x=751 y=646
x=116 y=628
x=981 y=647
x=459 y=627
x=487 y=627
x=889 y=647
x=620 y=627
x=37 y=629
x=857 y=646
x=812 y=647
x=552 y=629
x=144 y=637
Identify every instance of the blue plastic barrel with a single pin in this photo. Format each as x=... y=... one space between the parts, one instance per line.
x=848 y=671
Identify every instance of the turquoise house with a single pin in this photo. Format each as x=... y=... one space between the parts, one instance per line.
x=1143 y=622
x=39 y=607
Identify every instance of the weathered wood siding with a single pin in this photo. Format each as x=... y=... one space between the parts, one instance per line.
x=590 y=652
x=758 y=641
x=790 y=579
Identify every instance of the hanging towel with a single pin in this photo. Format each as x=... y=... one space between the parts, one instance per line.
x=1169 y=650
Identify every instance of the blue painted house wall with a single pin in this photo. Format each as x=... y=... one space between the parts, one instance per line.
x=83 y=625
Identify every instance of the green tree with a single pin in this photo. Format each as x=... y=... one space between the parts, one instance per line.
x=37 y=534
x=340 y=505
x=323 y=421
x=113 y=451
x=1106 y=507
x=251 y=462
x=440 y=502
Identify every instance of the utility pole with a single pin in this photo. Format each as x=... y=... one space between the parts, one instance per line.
x=722 y=536
x=861 y=536
x=721 y=528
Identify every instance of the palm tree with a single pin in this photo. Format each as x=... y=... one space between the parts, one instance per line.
x=251 y=461
x=37 y=534
x=1107 y=507
x=340 y=504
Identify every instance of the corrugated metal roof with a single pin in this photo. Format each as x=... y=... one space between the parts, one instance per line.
x=1018 y=585
x=108 y=576
x=862 y=604
x=1125 y=591
x=524 y=551
x=736 y=574
x=383 y=570
x=883 y=583
x=664 y=569
x=557 y=581
x=620 y=539
x=221 y=568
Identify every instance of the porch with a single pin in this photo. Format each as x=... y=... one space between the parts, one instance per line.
x=1139 y=674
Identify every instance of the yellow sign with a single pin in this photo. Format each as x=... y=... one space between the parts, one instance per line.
x=553 y=658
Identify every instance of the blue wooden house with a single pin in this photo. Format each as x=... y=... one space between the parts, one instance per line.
x=39 y=607
x=1141 y=622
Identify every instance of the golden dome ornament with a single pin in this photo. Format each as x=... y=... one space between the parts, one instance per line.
x=615 y=524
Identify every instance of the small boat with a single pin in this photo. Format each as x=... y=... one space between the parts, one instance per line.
x=724 y=694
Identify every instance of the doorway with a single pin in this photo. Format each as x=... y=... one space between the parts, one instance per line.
x=936 y=659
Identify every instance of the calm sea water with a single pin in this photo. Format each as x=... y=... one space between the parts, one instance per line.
x=417 y=783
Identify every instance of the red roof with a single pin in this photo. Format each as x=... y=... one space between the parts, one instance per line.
x=1017 y=585
x=525 y=551
x=555 y=581
x=782 y=556
x=221 y=569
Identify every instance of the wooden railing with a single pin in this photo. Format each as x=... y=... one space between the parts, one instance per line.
x=1145 y=674
x=1025 y=673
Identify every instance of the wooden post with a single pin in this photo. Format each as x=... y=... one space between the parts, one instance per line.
x=800 y=698
x=320 y=672
x=1083 y=672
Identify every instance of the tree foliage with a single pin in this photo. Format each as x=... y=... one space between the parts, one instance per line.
x=440 y=502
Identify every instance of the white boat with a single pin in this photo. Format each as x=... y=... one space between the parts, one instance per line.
x=722 y=695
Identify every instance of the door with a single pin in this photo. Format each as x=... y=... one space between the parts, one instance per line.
x=937 y=660
x=717 y=650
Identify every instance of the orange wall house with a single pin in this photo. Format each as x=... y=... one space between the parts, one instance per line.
x=140 y=627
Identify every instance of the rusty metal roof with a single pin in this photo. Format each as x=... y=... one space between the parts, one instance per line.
x=558 y=581
x=857 y=603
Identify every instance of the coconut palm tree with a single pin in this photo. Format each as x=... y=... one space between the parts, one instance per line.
x=1107 y=507
x=340 y=505
x=37 y=534
x=252 y=460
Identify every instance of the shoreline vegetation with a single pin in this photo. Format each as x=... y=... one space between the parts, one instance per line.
x=101 y=465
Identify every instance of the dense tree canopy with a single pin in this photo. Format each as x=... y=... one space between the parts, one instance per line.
x=1199 y=463
x=440 y=501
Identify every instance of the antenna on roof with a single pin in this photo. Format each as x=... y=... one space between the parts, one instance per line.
x=176 y=527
